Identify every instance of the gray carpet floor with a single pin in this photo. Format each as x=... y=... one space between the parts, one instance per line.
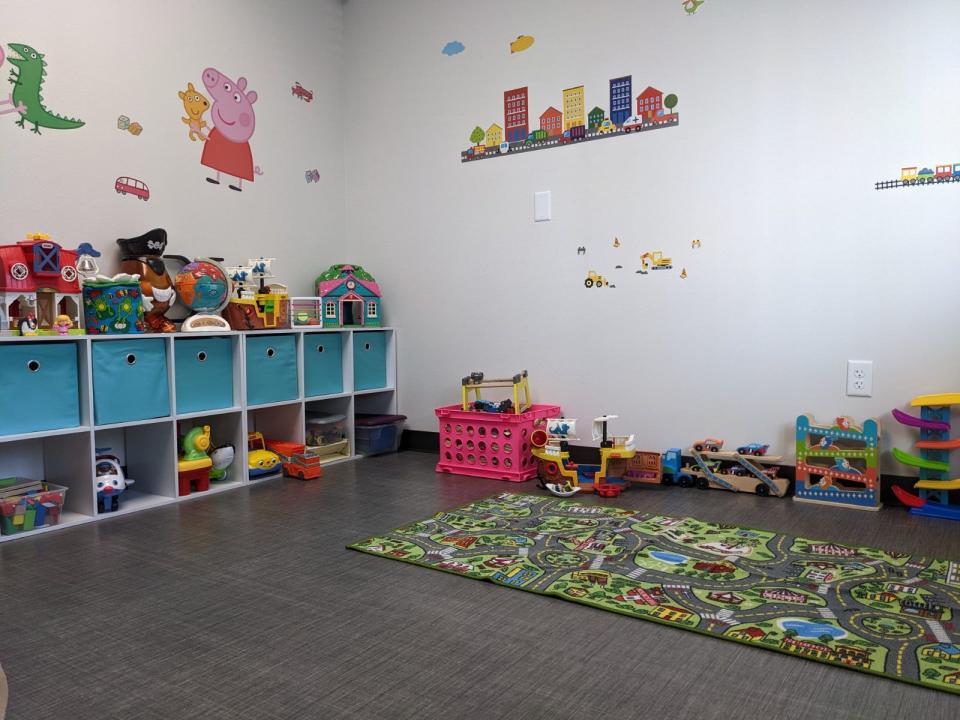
x=247 y=605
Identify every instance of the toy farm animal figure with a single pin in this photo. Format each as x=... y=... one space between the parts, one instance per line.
x=195 y=105
x=143 y=256
x=228 y=148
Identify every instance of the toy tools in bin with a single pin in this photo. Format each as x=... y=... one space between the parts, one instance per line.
x=476 y=381
x=29 y=504
x=254 y=304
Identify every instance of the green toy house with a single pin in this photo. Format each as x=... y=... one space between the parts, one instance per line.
x=349 y=297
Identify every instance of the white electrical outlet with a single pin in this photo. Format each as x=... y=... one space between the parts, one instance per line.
x=860 y=378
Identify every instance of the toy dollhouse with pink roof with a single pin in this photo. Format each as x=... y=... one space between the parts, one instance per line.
x=348 y=297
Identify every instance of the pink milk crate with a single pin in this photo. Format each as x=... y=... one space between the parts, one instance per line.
x=489 y=445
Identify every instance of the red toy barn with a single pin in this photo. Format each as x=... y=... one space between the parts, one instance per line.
x=38 y=279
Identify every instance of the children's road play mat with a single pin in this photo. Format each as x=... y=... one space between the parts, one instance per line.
x=879 y=612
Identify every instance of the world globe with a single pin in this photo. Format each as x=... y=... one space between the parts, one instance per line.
x=202 y=286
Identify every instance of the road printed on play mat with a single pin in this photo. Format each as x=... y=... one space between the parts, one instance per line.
x=871 y=610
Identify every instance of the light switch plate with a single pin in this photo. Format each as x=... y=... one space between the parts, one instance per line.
x=541 y=206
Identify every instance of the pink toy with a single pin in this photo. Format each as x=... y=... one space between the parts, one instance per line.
x=490 y=445
x=227 y=148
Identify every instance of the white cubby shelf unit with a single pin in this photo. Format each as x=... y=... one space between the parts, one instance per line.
x=147 y=445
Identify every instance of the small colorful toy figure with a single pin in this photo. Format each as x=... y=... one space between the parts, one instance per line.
x=63 y=325
x=222 y=458
x=28 y=325
x=110 y=483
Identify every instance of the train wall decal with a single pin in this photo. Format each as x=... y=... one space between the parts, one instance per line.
x=911 y=176
x=653 y=110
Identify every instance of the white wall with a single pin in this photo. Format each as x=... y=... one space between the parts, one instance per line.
x=109 y=57
x=789 y=114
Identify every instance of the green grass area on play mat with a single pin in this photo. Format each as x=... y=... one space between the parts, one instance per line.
x=871 y=610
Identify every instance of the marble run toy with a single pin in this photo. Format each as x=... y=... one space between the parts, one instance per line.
x=561 y=476
x=837 y=464
x=476 y=381
x=933 y=486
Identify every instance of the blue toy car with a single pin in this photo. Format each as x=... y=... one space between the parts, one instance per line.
x=753 y=449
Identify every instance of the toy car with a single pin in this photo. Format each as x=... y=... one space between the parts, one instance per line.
x=301 y=92
x=757 y=449
x=632 y=123
x=708 y=444
x=305 y=466
x=594 y=278
x=605 y=127
x=260 y=461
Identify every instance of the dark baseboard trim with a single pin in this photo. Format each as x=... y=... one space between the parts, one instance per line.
x=420 y=441
x=429 y=442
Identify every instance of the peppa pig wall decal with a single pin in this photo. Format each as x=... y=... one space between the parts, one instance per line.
x=227 y=148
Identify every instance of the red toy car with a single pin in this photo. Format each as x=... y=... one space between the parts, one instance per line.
x=301 y=92
x=708 y=444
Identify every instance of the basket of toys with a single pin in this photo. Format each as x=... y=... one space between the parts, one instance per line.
x=493 y=445
x=28 y=504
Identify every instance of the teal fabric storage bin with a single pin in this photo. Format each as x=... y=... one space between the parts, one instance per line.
x=322 y=364
x=203 y=368
x=369 y=360
x=129 y=380
x=271 y=369
x=39 y=387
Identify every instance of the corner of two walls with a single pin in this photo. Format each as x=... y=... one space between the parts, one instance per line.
x=789 y=115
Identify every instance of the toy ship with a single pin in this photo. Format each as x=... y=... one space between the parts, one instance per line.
x=256 y=305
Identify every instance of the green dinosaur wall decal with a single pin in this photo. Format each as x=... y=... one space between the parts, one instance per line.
x=27 y=78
